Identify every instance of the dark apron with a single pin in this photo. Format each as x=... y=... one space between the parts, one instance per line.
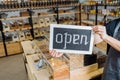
x=112 y=66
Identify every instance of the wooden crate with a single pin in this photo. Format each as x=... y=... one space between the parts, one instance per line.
x=79 y=60
x=14 y=48
x=88 y=76
x=61 y=73
x=82 y=71
x=59 y=69
x=76 y=61
x=2 y=52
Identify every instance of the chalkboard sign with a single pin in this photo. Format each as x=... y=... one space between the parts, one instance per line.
x=71 y=38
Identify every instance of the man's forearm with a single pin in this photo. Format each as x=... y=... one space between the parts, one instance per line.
x=112 y=42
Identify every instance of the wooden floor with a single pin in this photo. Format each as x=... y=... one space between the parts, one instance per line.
x=12 y=68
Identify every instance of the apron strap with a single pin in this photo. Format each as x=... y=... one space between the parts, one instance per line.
x=116 y=29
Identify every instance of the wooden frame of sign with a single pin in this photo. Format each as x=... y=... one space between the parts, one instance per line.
x=71 y=39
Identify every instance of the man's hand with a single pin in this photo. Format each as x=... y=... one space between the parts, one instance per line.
x=101 y=30
x=54 y=53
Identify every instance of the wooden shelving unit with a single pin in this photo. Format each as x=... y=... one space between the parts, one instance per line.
x=96 y=13
x=92 y=16
x=17 y=17
x=30 y=7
